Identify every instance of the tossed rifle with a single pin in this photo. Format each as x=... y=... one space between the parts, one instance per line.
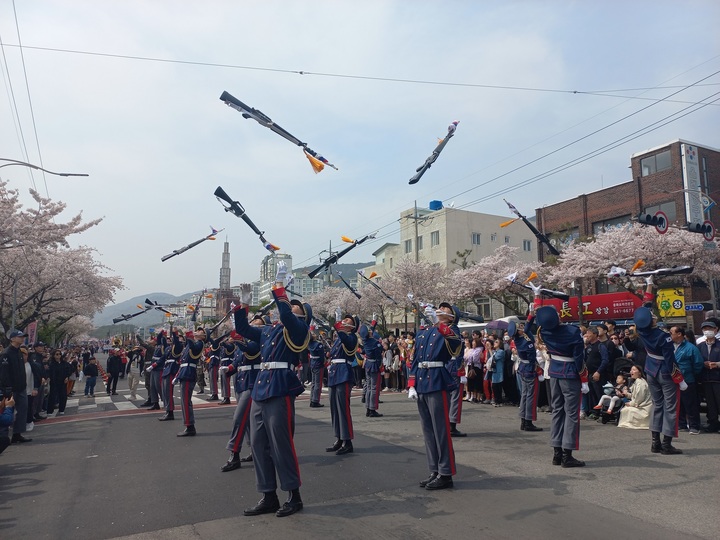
x=124 y=317
x=237 y=209
x=617 y=271
x=350 y=287
x=149 y=304
x=537 y=291
x=540 y=236
x=422 y=169
x=471 y=317
x=420 y=309
x=317 y=161
x=204 y=294
x=368 y=279
x=175 y=252
x=332 y=259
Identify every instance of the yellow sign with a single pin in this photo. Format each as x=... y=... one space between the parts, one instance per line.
x=671 y=302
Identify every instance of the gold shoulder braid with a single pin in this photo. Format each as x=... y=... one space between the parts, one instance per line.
x=454 y=353
x=349 y=353
x=253 y=357
x=294 y=348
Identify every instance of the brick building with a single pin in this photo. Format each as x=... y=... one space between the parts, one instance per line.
x=674 y=178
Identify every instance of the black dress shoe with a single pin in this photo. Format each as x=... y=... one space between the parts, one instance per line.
x=231 y=465
x=214 y=397
x=529 y=426
x=440 y=482
x=292 y=505
x=167 y=416
x=346 y=448
x=429 y=479
x=154 y=407
x=18 y=438
x=201 y=391
x=557 y=456
x=147 y=403
x=39 y=417
x=456 y=433
x=314 y=405
x=568 y=461
x=374 y=414
x=247 y=459
x=189 y=432
x=335 y=447
x=225 y=401
x=267 y=505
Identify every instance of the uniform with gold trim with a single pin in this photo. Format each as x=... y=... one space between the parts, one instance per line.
x=155 y=369
x=169 y=372
x=187 y=376
x=528 y=372
x=373 y=350
x=316 y=353
x=341 y=380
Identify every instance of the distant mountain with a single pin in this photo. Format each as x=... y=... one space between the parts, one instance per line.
x=128 y=307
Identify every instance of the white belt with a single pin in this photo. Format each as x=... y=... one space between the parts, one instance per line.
x=655 y=356
x=340 y=361
x=187 y=364
x=274 y=365
x=314 y=358
x=247 y=368
x=559 y=358
x=169 y=361
x=371 y=360
x=524 y=361
x=427 y=365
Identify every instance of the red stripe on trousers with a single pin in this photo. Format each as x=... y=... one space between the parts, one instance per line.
x=460 y=402
x=186 y=402
x=348 y=415
x=291 y=433
x=376 y=397
x=577 y=417
x=242 y=427
x=677 y=413
x=536 y=391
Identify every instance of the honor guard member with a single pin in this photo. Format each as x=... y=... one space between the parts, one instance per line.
x=528 y=371
x=373 y=349
x=169 y=372
x=148 y=348
x=272 y=414
x=457 y=372
x=213 y=368
x=341 y=379
x=316 y=351
x=568 y=380
x=430 y=383
x=187 y=376
x=245 y=367
x=155 y=369
x=663 y=378
x=226 y=359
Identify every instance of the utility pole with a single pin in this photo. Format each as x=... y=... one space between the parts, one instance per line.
x=417 y=251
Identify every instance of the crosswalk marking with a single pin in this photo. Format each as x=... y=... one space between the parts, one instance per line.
x=125 y=406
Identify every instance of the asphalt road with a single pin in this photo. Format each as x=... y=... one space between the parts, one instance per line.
x=123 y=474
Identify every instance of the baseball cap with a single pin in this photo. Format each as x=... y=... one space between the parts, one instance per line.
x=708 y=324
x=17 y=333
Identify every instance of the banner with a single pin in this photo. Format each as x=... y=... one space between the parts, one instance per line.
x=597 y=307
x=31 y=331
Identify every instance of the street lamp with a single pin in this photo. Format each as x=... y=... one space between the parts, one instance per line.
x=31 y=166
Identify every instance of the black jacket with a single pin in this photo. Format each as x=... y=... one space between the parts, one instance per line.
x=59 y=371
x=12 y=370
x=90 y=370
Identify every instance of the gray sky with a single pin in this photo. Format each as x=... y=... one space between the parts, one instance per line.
x=157 y=141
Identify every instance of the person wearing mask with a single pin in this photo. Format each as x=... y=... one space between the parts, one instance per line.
x=690 y=363
x=710 y=376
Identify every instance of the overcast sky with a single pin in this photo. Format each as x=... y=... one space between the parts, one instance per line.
x=156 y=140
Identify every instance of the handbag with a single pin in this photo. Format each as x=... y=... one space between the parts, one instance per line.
x=471 y=373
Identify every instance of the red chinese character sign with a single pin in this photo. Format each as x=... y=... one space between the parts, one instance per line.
x=597 y=307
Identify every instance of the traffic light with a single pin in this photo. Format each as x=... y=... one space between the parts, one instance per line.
x=650 y=219
x=702 y=228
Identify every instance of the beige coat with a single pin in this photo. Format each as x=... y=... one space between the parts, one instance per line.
x=636 y=414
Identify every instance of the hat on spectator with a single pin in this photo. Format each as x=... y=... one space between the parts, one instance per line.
x=40 y=344
x=708 y=324
x=17 y=333
x=547 y=317
x=601 y=325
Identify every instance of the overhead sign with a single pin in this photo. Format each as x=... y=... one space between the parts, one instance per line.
x=709 y=232
x=597 y=307
x=671 y=302
x=694 y=307
x=662 y=222
x=694 y=208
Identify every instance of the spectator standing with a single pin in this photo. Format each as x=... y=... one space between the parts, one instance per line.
x=690 y=363
x=40 y=357
x=7 y=416
x=33 y=376
x=59 y=373
x=91 y=374
x=710 y=377
x=12 y=375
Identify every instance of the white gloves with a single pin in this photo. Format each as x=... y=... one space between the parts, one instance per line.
x=649 y=280
x=430 y=314
x=584 y=388
x=463 y=380
x=683 y=386
x=223 y=369
x=174 y=381
x=338 y=314
x=374 y=317
x=149 y=369
x=281 y=274
x=245 y=293
x=412 y=393
x=541 y=378
x=410 y=296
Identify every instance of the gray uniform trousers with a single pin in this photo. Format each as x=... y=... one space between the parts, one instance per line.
x=340 y=411
x=664 y=394
x=272 y=427
x=434 y=419
x=316 y=388
x=372 y=389
x=565 y=425
x=528 y=397
x=455 y=414
x=186 y=393
x=155 y=386
x=167 y=393
x=241 y=418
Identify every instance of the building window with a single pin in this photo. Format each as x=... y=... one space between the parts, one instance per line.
x=476 y=239
x=610 y=224
x=564 y=238
x=668 y=208
x=408 y=246
x=419 y=242
x=511 y=306
x=527 y=245
x=507 y=239
x=493 y=237
x=434 y=238
x=484 y=307
x=658 y=162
